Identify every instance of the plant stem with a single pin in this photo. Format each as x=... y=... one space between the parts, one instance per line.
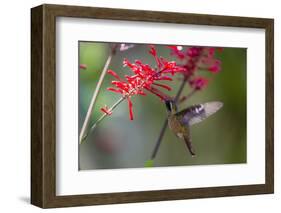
x=180 y=90
x=162 y=132
x=161 y=135
x=93 y=100
x=101 y=118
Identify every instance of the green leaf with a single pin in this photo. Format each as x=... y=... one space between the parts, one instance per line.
x=149 y=163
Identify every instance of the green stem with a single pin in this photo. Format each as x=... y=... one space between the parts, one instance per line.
x=101 y=118
x=84 y=129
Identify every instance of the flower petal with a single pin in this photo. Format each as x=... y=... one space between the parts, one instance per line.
x=114 y=74
x=130 y=105
x=163 y=86
x=115 y=90
x=199 y=83
x=106 y=110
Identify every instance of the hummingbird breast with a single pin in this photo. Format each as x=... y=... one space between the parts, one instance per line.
x=181 y=131
x=176 y=126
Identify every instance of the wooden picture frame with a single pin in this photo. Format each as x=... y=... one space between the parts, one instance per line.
x=43 y=105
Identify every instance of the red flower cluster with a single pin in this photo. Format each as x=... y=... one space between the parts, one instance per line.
x=145 y=78
x=194 y=59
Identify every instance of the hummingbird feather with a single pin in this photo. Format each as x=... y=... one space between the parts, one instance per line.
x=180 y=122
x=197 y=113
x=188 y=143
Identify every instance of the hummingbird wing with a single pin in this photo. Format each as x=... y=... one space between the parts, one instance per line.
x=197 y=113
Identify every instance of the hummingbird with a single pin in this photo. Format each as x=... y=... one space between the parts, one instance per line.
x=180 y=122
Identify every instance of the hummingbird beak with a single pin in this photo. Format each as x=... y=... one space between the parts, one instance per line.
x=168 y=105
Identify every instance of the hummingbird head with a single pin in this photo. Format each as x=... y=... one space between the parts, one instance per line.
x=171 y=106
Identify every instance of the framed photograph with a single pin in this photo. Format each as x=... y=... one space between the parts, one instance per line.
x=136 y=106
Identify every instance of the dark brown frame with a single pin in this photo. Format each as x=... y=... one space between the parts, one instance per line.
x=43 y=105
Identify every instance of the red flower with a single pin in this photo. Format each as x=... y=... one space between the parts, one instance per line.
x=194 y=59
x=106 y=110
x=215 y=67
x=83 y=66
x=190 y=57
x=198 y=83
x=194 y=51
x=144 y=78
x=176 y=51
x=114 y=74
x=209 y=62
x=147 y=79
x=211 y=51
x=198 y=58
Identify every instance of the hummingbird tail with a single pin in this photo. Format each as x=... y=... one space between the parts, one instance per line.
x=189 y=145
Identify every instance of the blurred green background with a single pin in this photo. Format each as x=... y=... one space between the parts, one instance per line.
x=121 y=143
